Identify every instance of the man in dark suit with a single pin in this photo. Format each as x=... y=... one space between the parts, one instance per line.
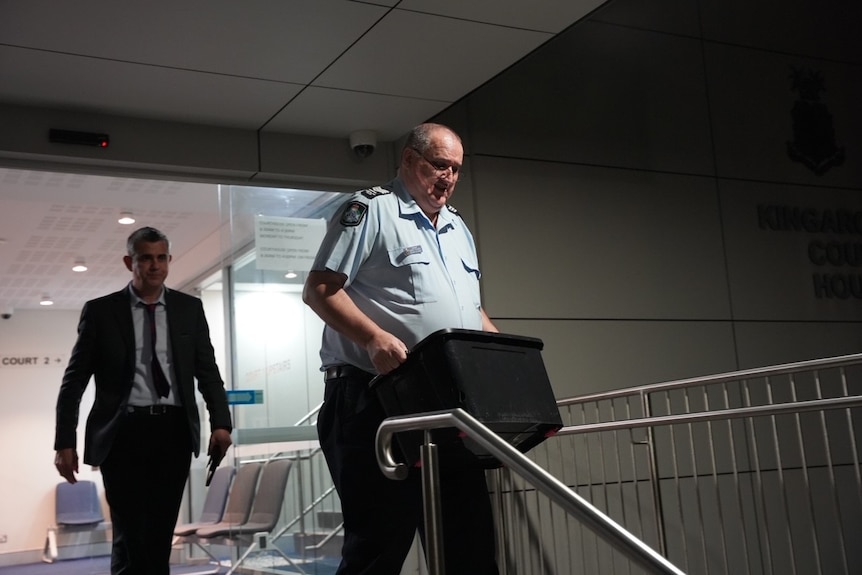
x=144 y=345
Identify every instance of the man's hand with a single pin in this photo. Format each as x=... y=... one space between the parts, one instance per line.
x=324 y=293
x=66 y=462
x=386 y=352
x=219 y=442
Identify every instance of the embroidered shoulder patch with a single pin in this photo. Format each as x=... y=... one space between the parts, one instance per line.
x=454 y=211
x=353 y=213
x=374 y=192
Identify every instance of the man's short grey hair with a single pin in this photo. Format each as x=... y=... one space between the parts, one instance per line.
x=419 y=138
x=146 y=234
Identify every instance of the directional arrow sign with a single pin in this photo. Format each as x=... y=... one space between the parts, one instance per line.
x=244 y=396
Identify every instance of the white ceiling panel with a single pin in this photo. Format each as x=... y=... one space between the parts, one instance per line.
x=48 y=220
x=63 y=81
x=111 y=193
x=552 y=16
x=269 y=39
x=335 y=113
x=445 y=57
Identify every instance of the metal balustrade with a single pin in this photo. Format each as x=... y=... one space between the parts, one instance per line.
x=542 y=481
x=750 y=472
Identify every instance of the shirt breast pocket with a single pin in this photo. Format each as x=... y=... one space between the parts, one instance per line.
x=413 y=279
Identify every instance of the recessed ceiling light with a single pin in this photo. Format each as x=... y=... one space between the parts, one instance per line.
x=46 y=300
x=290 y=275
x=80 y=265
x=126 y=218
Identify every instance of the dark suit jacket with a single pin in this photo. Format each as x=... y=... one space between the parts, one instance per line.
x=105 y=349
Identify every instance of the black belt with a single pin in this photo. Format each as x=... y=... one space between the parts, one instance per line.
x=340 y=371
x=153 y=409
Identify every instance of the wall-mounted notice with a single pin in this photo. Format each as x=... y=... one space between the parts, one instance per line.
x=30 y=360
x=287 y=244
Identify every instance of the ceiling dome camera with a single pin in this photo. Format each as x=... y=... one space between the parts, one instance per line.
x=363 y=142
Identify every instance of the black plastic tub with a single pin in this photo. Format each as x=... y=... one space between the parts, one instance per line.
x=500 y=379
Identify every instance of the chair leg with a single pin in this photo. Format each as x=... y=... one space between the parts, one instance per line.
x=254 y=546
x=207 y=551
x=49 y=554
x=242 y=558
x=290 y=561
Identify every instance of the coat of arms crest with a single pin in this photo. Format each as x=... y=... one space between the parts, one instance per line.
x=813 y=134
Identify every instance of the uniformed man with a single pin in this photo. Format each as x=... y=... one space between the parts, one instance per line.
x=396 y=265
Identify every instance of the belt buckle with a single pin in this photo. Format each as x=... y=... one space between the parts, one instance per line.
x=339 y=371
x=157 y=409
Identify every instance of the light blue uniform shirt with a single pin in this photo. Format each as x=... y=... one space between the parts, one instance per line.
x=408 y=277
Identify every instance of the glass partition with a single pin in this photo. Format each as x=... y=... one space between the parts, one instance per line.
x=274 y=234
x=272 y=373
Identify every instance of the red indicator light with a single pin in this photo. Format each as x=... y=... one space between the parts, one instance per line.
x=79 y=138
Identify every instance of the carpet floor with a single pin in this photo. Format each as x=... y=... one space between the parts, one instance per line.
x=102 y=566
x=87 y=566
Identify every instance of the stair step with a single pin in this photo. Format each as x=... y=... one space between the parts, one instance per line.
x=331 y=548
x=329 y=519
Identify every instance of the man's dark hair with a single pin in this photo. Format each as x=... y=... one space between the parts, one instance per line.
x=145 y=234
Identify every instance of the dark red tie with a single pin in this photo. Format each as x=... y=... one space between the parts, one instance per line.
x=159 y=379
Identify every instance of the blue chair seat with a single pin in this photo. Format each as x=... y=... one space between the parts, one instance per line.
x=78 y=504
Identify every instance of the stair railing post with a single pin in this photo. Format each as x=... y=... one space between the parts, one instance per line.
x=431 y=506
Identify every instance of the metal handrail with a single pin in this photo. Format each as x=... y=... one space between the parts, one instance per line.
x=329 y=537
x=601 y=524
x=307 y=417
x=767 y=371
x=731 y=413
x=304 y=512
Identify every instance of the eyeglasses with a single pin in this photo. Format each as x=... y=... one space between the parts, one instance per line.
x=440 y=168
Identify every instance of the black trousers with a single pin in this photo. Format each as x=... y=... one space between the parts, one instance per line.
x=144 y=475
x=381 y=515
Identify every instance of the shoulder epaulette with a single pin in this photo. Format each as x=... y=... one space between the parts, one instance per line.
x=372 y=193
x=454 y=211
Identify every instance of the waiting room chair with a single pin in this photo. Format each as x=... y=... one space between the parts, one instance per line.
x=214 y=503
x=254 y=532
x=77 y=508
x=237 y=509
x=78 y=504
